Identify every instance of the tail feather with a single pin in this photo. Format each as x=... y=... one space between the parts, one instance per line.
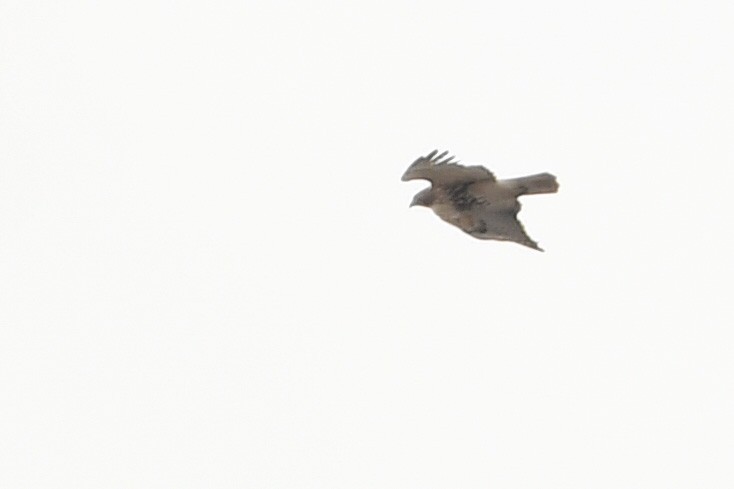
x=542 y=183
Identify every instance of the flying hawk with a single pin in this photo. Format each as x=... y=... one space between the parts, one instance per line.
x=472 y=199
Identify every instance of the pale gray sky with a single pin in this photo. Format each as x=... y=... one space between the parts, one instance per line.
x=210 y=277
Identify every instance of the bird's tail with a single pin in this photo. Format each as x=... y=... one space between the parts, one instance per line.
x=542 y=183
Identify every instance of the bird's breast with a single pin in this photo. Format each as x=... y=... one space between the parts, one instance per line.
x=449 y=213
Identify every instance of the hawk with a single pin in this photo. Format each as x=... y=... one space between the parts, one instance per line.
x=472 y=199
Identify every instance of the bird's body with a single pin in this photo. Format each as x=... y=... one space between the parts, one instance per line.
x=472 y=199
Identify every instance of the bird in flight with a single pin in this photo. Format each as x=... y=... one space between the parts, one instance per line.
x=472 y=199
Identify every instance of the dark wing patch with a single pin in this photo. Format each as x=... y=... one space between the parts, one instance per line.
x=460 y=196
x=442 y=170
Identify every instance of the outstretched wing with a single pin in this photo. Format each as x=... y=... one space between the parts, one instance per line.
x=498 y=220
x=440 y=170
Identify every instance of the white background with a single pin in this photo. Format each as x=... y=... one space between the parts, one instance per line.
x=210 y=277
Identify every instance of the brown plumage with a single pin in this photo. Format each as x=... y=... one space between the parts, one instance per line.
x=472 y=199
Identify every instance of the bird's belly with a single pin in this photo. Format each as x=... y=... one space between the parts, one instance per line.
x=452 y=215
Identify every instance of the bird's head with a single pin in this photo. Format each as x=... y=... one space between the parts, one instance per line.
x=423 y=198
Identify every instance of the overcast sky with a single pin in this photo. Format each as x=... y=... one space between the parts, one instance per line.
x=210 y=276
